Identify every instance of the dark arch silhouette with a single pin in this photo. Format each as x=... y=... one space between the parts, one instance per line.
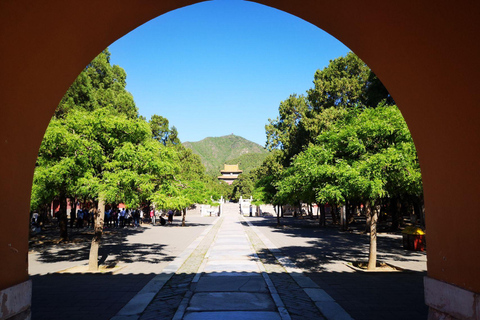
x=426 y=54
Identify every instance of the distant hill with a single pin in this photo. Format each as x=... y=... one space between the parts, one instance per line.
x=231 y=149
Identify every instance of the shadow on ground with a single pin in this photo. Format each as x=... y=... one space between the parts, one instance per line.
x=83 y=296
x=328 y=243
x=365 y=296
x=101 y=296
x=114 y=245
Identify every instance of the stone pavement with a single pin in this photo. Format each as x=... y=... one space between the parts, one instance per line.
x=321 y=254
x=231 y=267
x=143 y=253
x=225 y=278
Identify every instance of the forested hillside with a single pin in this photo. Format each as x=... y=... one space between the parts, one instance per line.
x=231 y=149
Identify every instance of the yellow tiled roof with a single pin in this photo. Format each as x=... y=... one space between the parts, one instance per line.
x=230 y=167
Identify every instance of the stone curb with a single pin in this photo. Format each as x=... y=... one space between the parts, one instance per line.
x=134 y=308
x=324 y=302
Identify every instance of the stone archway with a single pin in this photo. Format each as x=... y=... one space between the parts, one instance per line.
x=425 y=53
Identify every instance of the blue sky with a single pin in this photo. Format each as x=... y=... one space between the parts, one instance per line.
x=221 y=67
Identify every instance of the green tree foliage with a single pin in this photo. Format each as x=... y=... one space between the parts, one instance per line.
x=99 y=85
x=97 y=144
x=346 y=82
x=243 y=186
x=344 y=142
x=162 y=132
x=98 y=149
x=268 y=176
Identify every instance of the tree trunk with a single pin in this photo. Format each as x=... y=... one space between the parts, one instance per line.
x=184 y=213
x=323 y=215
x=333 y=213
x=343 y=216
x=73 y=213
x=279 y=209
x=396 y=206
x=99 y=214
x=372 y=255
x=368 y=218
x=62 y=217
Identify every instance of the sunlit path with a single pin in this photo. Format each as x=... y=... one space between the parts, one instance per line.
x=229 y=273
x=230 y=283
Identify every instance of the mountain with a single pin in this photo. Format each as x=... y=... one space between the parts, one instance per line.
x=231 y=149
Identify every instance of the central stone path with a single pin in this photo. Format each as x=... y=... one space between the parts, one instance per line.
x=231 y=272
x=231 y=282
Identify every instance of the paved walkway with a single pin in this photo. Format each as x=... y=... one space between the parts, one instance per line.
x=225 y=278
x=230 y=267
x=143 y=253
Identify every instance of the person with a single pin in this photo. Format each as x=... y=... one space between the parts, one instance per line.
x=80 y=218
x=35 y=218
x=127 y=218
x=152 y=216
x=85 y=218
x=136 y=218
x=170 y=216
x=73 y=216
x=91 y=216
x=114 y=218
x=107 y=218
x=35 y=225
x=121 y=218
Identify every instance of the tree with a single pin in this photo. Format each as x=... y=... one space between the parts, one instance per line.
x=344 y=142
x=367 y=156
x=99 y=85
x=346 y=82
x=282 y=133
x=64 y=155
x=97 y=148
x=160 y=129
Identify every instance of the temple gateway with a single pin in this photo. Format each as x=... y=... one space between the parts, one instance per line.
x=229 y=173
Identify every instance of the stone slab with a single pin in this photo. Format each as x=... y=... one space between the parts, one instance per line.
x=238 y=235
x=225 y=251
x=231 y=247
x=332 y=310
x=131 y=317
x=318 y=295
x=230 y=256
x=233 y=315
x=137 y=304
x=231 y=301
x=303 y=281
x=232 y=242
x=254 y=283
x=231 y=265
x=230 y=274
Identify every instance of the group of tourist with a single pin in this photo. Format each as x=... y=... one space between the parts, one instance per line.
x=154 y=215
x=116 y=218
x=119 y=218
